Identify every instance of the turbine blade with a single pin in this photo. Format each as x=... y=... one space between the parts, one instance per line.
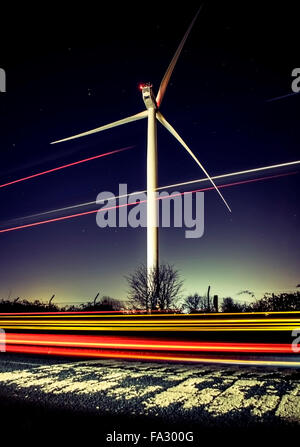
x=166 y=78
x=171 y=129
x=129 y=119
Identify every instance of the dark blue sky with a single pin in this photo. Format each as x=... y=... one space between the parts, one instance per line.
x=70 y=76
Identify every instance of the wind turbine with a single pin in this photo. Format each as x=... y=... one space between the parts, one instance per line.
x=153 y=113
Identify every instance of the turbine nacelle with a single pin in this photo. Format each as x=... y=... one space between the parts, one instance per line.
x=148 y=96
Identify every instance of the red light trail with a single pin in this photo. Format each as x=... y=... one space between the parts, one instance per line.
x=85 y=213
x=132 y=346
x=141 y=355
x=65 y=166
x=96 y=342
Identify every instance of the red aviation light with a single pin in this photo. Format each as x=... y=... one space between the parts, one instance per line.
x=144 y=84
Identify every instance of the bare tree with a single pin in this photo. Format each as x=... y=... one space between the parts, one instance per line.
x=195 y=303
x=157 y=289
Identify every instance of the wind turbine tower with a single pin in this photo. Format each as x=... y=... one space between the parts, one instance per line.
x=153 y=114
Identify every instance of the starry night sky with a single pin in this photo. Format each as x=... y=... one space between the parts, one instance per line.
x=81 y=71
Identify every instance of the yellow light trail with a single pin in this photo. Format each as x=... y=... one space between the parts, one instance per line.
x=260 y=321
x=118 y=314
x=97 y=335
x=156 y=329
x=161 y=322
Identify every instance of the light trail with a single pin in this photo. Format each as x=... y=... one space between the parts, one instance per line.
x=246 y=171
x=85 y=341
x=282 y=97
x=65 y=166
x=173 y=328
x=160 y=323
x=133 y=345
x=85 y=213
x=90 y=353
x=168 y=320
x=57 y=219
x=174 y=185
x=154 y=313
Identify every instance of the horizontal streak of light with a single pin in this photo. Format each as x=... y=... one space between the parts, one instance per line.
x=282 y=97
x=157 y=329
x=65 y=166
x=85 y=341
x=175 y=185
x=156 y=314
x=174 y=321
x=72 y=352
x=85 y=213
x=232 y=174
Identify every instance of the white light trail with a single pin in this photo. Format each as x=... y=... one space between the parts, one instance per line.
x=174 y=185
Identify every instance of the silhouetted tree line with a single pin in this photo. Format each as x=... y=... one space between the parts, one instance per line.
x=269 y=303
x=19 y=305
x=161 y=290
x=191 y=304
x=105 y=304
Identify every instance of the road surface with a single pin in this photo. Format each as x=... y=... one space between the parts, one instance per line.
x=111 y=394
